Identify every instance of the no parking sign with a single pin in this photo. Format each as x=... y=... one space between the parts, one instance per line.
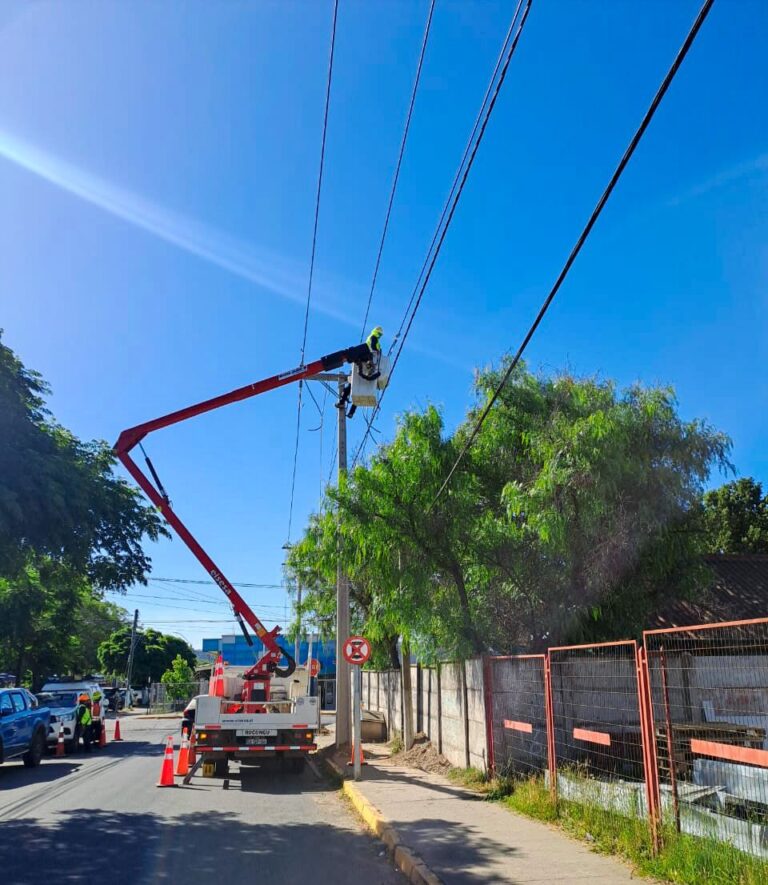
x=356 y=650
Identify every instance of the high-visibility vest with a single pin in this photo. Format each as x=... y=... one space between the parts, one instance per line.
x=96 y=709
x=84 y=715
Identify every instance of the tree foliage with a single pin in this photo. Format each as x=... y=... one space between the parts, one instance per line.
x=735 y=517
x=69 y=530
x=153 y=655
x=570 y=517
x=177 y=679
x=59 y=497
x=51 y=623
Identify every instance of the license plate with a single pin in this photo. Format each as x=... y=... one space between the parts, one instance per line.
x=257 y=732
x=255 y=742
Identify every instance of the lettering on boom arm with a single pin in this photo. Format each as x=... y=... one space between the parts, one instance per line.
x=219 y=579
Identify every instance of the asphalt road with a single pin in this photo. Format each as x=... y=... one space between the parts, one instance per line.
x=100 y=818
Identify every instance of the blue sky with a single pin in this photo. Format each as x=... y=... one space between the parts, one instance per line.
x=158 y=167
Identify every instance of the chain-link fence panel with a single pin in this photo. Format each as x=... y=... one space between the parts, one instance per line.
x=599 y=731
x=709 y=695
x=174 y=697
x=516 y=704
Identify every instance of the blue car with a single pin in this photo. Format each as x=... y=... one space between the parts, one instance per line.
x=23 y=727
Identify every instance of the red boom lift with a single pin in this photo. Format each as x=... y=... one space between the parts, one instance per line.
x=257 y=679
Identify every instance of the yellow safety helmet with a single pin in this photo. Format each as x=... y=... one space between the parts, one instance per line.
x=97 y=696
x=377 y=331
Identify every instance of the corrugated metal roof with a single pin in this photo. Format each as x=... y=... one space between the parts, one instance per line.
x=739 y=591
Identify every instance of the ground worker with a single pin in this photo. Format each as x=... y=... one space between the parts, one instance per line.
x=97 y=724
x=85 y=721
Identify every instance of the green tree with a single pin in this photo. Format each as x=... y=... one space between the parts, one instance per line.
x=153 y=655
x=59 y=497
x=735 y=518
x=571 y=517
x=177 y=679
x=51 y=623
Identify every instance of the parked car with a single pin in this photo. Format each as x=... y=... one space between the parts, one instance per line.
x=114 y=696
x=92 y=689
x=63 y=706
x=23 y=726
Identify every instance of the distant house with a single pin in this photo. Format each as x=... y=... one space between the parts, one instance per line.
x=738 y=592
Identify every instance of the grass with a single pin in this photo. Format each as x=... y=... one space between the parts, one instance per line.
x=684 y=860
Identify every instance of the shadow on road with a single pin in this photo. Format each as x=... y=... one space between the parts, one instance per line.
x=84 y=845
x=14 y=774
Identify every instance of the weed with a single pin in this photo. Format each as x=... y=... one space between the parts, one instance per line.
x=686 y=860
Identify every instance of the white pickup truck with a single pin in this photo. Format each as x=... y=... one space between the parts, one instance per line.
x=226 y=728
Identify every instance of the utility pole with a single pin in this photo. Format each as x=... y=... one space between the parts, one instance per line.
x=343 y=723
x=297 y=642
x=130 y=653
x=342 y=603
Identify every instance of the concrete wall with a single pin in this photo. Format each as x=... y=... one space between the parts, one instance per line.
x=456 y=729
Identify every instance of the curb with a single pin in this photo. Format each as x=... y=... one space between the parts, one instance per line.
x=405 y=858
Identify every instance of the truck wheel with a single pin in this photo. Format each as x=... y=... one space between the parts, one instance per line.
x=36 y=749
x=297 y=764
x=221 y=768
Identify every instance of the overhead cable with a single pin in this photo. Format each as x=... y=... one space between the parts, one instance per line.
x=399 y=163
x=470 y=152
x=636 y=138
x=312 y=257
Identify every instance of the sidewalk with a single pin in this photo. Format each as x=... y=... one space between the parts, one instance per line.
x=463 y=839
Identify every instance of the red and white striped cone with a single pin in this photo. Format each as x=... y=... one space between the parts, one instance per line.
x=60 y=741
x=166 y=772
x=216 y=685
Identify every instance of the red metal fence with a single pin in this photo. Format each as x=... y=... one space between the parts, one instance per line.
x=597 y=755
x=709 y=694
x=674 y=731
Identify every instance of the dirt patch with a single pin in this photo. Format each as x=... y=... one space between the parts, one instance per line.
x=423 y=754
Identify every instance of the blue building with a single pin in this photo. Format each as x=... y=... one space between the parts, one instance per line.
x=237 y=653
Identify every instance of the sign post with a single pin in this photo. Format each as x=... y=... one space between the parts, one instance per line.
x=356 y=652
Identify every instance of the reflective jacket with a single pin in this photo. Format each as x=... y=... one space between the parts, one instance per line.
x=84 y=715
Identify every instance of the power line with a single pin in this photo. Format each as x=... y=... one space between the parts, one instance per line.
x=312 y=257
x=214 y=584
x=399 y=163
x=636 y=138
x=470 y=152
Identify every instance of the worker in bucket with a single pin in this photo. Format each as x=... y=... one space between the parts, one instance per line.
x=85 y=720
x=368 y=364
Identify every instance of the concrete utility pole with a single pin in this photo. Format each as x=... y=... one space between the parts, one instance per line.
x=343 y=699
x=343 y=735
x=297 y=642
x=130 y=653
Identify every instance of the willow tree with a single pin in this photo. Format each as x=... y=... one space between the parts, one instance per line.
x=570 y=516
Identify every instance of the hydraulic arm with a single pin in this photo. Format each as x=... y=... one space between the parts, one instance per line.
x=269 y=663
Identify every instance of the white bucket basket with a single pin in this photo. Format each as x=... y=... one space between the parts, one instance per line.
x=364 y=391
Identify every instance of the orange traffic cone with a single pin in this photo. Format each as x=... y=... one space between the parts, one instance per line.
x=103 y=733
x=216 y=684
x=352 y=755
x=117 y=730
x=192 y=751
x=166 y=772
x=182 y=764
x=60 y=741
